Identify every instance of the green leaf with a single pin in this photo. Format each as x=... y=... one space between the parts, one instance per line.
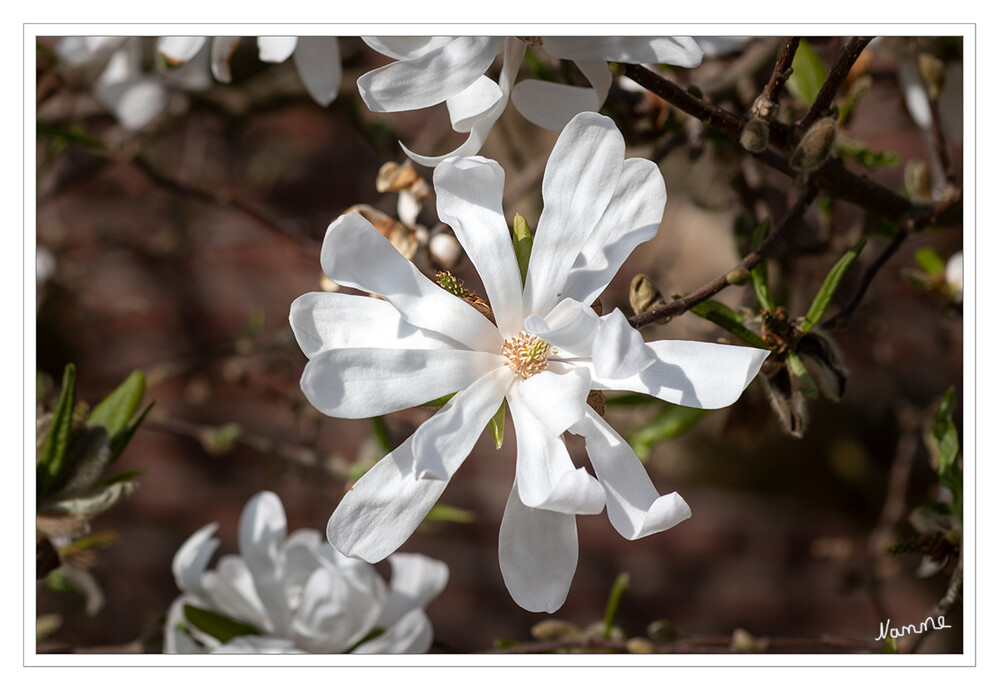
x=49 y=465
x=538 y=68
x=945 y=433
x=829 y=285
x=930 y=261
x=114 y=411
x=445 y=513
x=522 y=244
x=61 y=136
x=118 y=478
x=221 y=627
x=759 y=272
x=797 y=367
x=441 y=401
x=618 y=589
x=496 y=425
x=669 y=422
x=722 y=315
x=630 y=399
x=808 y=75
x=382 y=434
x=121 y=439
x=890 y=646
x=866 y=156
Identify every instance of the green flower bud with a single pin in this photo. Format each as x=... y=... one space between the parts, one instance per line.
x=644 y=294
x=816 y=146
x=737 y=276
x=755 y=135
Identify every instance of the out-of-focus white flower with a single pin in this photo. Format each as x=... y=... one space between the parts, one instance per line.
x=443 y=69
x=296 y=593
x=954 y=275
x=317 y=58
x=544 y=352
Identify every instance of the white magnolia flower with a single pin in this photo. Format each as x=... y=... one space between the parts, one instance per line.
x=546 y=351
x=444 y=69
x=954 y=276
x=299 y=593
x=317 y=58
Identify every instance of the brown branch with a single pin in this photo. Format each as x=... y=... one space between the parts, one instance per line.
x=669 y=310
x=837 y=75
x=946 y=603
x=698 y=644
x=782 y=70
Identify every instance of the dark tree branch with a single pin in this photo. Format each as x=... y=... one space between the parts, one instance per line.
x=782 y=69
x=669 y=310
x=699 y=644
x=837 y=75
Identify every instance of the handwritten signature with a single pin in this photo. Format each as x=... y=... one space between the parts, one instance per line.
x=930 y=622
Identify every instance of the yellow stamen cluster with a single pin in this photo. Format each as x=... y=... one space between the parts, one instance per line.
x=526 y=354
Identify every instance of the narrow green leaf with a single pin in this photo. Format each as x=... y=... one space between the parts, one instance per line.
x=522 y=244
x=669 y=422
x=630 y=399
x=945 y=433
x=808 y=75
x=825 y=294
x=382 y=434
x=63 y=136
x=441 y=401
x=119 y=477
x=720 y=314
x=618 y=589
x=375 y=632
x=538 y=68
x=121 y=439
x=114 y=411
x=890 y=646
x=866 y=156
x=445 y=513
x=221 y=627
x=496 y=425
x=930 y=261
x=54 y=451
x=797 y=367
x=759 y=272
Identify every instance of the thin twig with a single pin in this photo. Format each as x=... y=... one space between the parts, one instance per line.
x=940 y=148
x=669 y=310
x=946 y=603
x=837 y=75
x=782 y=69
x=698 y=644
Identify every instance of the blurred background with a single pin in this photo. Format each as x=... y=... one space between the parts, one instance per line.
x=178 y=248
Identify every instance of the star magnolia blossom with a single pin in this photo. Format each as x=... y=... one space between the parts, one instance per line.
x=299 y=592
x=444 y=69
x=546 y=351
x=317 y=58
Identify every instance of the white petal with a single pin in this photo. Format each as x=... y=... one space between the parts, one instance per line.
x=618 y=349
x=579 y=181
x=257 y=644
x=262 y=527
x=695 y=374
x=230 y=590
x=332 y=320
x=538 y=550
x=682 y=51
x=713 y=46
x=551 y=105
x=470 y=200
x=430 y=78
x=416 y=581
x=134 y=102
x=916 y=100
x=389 y=502
x=175 y=640
x=334 y=615
x=192 y=558
x=556 y=400
x=632 y=217
x=193 y=75
x=411 y=634
x=356 y=255
x=317 y=59
x=276 y=48
x=545 y=474
x=179 y=49
x=405 y=47
x=634 y=507
x=356 y=383
x=570 y=327
x=471 y=104
x=222 y=49
x=954 y=272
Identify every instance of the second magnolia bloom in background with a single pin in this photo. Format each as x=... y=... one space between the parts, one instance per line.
x=544 y=352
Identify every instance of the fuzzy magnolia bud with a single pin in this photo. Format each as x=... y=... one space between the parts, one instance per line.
x=644 y=294
x=552 y=629
x=755 y=135
x=816 y=146
x=918 y=184
x=737 y=276
x=932 y=70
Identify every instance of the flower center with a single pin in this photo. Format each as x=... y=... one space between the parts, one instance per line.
x=527 y=354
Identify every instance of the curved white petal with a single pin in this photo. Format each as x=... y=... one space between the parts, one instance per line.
x=179 y=49
x=317 y=59
x=257 y=644
x=411 y=634
x=682 y=51
x=192 y=558
x=556 y=400
x=262 y=527
x=430 y=78
x=632 y=217
x=333 y=615
x=231 y=591
x=695 y=374
x=276 y=48
x=333 y=320
x=356 y=255
x=389 y=502
x=546 y=477
x=405 y=47
x=580 y=178
x=355 y=383
x=470 y=200
x=222 y=49
x=416 y=581
x=538 y=550
x=569 y=327
x=954 y=271
x=916 y=100
x=551 y=105
x=466 y=107
x=618 y=349
x=135 y=102
x=634 y=507
x=175 y=640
